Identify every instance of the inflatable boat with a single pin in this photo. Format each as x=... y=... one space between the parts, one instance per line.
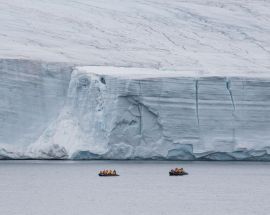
x=177 y=173
x=107 y=175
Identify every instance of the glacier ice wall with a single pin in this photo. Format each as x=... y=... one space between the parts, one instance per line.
x=119 y=116
x=32 y=95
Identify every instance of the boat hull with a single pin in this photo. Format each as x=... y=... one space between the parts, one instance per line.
x=177 y=174
x=102 y=175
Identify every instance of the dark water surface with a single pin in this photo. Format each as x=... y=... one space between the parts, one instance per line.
x=73 y=188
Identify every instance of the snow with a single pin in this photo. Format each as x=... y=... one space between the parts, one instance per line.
x=204 y=36
x=147 y=73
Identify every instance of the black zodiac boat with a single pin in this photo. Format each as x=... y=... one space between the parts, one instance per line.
x=177 y=173
x=107 y=175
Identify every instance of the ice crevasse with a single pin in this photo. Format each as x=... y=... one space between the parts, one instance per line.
x=100 y=112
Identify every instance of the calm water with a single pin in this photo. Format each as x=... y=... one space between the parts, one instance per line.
x=65 y=187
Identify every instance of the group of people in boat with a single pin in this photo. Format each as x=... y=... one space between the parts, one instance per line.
x=177 y=171
x=107 y=172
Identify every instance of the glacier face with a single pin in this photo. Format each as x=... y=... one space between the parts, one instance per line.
x=127 y=113
x=32 y=95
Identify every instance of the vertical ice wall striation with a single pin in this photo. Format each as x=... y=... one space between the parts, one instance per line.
x=197 y=100
x=124 y=113
x=228 y=86
x=32 y=94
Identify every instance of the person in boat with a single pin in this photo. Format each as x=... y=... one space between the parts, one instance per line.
x=114 y=172
x=110 y=172
x=100 y=172
x=179 y=171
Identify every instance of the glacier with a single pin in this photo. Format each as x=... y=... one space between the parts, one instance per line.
x=178 y=80
x=97 y=112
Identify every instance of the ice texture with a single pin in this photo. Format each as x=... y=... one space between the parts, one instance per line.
x=207 y=36
x=32 y=95
x=201 y=90
x=132 y=113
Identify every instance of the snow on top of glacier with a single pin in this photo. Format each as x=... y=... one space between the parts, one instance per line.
x=141 y=73
x=207 y=36
x=130 y=72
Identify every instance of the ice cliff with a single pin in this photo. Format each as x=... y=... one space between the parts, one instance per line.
x=201 y=89
x=131 y=113
x=32 y=95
